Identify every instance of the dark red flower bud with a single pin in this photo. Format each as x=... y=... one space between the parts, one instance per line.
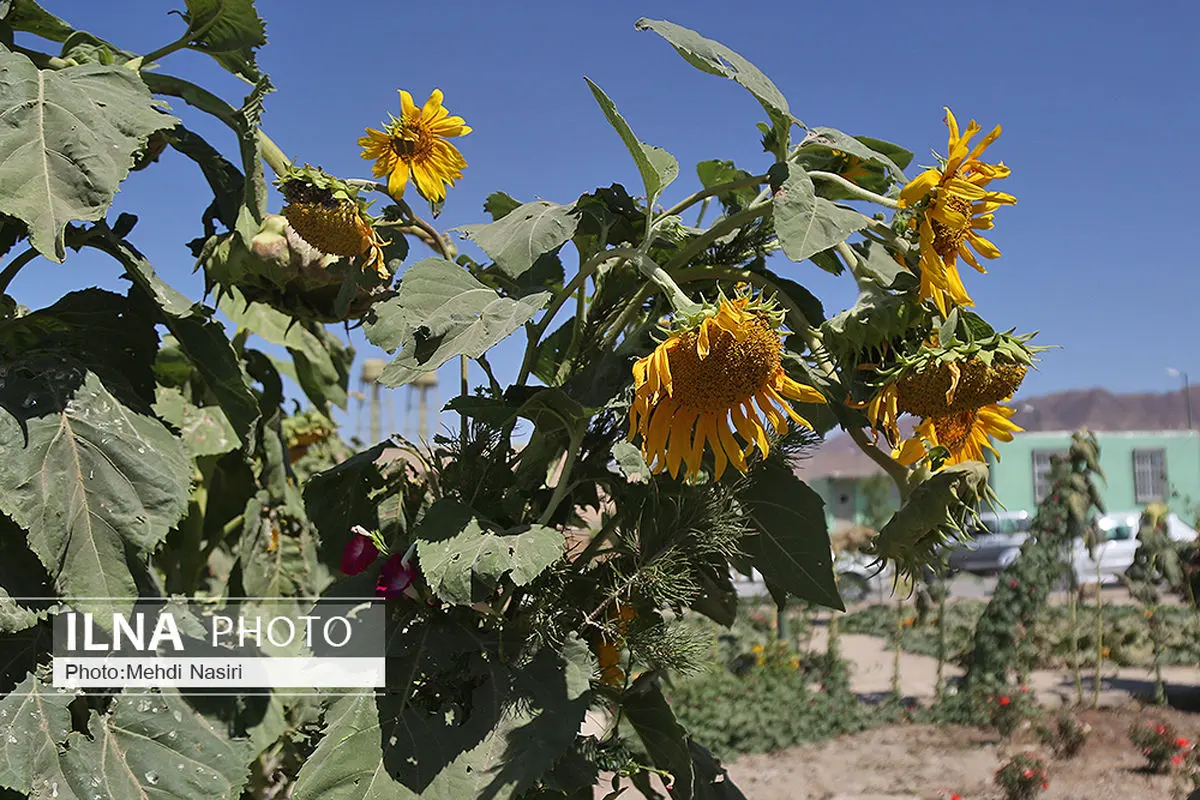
x=359 y=554
x=394 y=577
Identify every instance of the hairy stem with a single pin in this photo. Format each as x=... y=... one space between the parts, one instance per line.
x=712 y=191
x=14 y=267
x=273 y=154
x=854 y=188
x=189 y=36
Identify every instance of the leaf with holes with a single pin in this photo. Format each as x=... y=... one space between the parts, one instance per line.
x=455 y=552
x=94 y=482
x=68 y=140
x=440 y=312
x=524 y=234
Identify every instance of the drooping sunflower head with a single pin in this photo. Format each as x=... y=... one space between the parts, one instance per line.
x=952 y=206
x=707 y=384
x=966 y=434
x=328 y=214
x=415 y=143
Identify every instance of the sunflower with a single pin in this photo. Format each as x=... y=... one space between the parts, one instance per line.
x=955 y=207
x=328 y=214
x=709 y=372
x=964 y=433
x=416 y=143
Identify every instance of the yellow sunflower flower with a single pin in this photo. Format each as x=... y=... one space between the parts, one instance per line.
x=706 y=375
x=956 y=206
x=416 y=143
x=965 y=434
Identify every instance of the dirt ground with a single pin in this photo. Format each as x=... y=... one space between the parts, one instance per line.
x=925 y=762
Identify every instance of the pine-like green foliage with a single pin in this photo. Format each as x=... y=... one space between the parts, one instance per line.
x=1022 y=588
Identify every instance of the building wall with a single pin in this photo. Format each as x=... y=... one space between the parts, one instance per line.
x=1012 y=478
x=847 y=504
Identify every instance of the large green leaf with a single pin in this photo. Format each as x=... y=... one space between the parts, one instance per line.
x=201 y=337
x=851 y=145
x=791 y=548
x=456 y=552
x=807 y=224
x=658 y=168
x=205 y=431
x=665 y=740
x=440 y=312
x=344 y=496
x=277 y=552
x=519 y=722
x=521 y=236
x=716 y=59
x=34 y=719
x=229 y=31
x=321 y=359
x=93 y=479
x=68 y=140
x=26 y=15
x=22 y=578
x=148 y=746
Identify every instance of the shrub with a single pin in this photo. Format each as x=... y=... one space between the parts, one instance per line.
x=1022 y=777
x=1011 y=710
x=777 y=700
x=1066 y=736
x=1161 y=744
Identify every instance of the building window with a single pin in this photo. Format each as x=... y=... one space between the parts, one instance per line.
x=1041 y=473
x=1149 y=476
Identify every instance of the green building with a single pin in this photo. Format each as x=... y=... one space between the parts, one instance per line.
x=1140 y=467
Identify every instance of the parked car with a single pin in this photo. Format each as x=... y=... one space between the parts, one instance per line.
x=999 y=543
x=993 y=546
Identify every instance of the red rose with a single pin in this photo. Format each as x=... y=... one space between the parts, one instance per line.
x=1013 y=584
x=359 y=554
x=1005 y=700
x=1027 y=773
x=956 y=797
x=1160 y=729
x=1182 y=742
x=1045 y=785
x=1176 y=760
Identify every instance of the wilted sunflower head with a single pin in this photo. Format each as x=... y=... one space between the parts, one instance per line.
x=328 y=214
x=703 y=383
x=964 y=434
x=953 y=206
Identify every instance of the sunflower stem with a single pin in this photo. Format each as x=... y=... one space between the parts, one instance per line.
x=854 y=189
x=720 y=228
x=276 y=159
x=14 y=267
x=564 y=475
x=712 y=191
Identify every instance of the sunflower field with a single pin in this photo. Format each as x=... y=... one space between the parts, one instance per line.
x=540 y=562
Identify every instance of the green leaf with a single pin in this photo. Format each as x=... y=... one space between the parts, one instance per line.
x=205 y=431
x=229 y=31
x=36 y=719
x=341 y=497
x=455 y=552
x=895 y=152
x=321 y=359
x=657 y=167
x=519 y=722
x=807 y=224
x=715 y=58
x=200 y=336
x=440 y=312
x=149 y=746
x=68 y=140
x=808 y=303
x=22 y=578
x=715 y=173
x=93 y=479
x=500 y=205
x=630 y=462
x=28 y=16
x=277 y=553
x=524 y=234
x=666 y=742
x=852 y=145
x=876 y=262
x=792 y=548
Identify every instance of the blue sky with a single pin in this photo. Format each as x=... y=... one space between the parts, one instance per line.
x=1097 y=100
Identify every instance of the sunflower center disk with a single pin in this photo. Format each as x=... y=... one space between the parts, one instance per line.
x=924 y=393
x=415 y=143
x=948 y=238
x=335 y=229
x=953 y=430
x=736 y=368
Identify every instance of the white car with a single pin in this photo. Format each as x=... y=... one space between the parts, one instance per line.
x=1001 y=544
